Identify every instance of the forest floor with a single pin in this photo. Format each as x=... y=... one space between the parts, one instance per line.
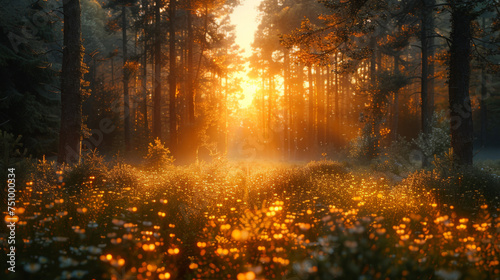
x=227 y=220
x=486 y=154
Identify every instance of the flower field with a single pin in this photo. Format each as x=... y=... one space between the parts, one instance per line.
x=248 y=221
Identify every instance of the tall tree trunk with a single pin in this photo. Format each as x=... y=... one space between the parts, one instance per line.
x=113 y=73
x=426 y=113
x=190 y=70
x=145 y=89
x=320 y=106
x=431 y=50
x=395 y=105
x=484 y=109
x=157 y=84
x=126 y=75
x=286 y=103
x=311 y=124
x=263 y=104
x=172 y=78
x=482 y=102
x=460 y=106
x=71 y=100
x=328 y=101
x=373 y=121
x=270 y=105
x=337 y=107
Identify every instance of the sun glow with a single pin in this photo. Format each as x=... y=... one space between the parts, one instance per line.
x=244 y=18
x=249 y=91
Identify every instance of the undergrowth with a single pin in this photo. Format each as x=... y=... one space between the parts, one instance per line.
x=229 y=220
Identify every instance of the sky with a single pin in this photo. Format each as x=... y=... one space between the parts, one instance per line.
x=244 y=18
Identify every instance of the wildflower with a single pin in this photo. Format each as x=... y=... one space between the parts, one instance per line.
x=117 y=222
x=66 y=262
x=246 y=276
x=357 y=229
x=351 y=244
x=60 y=238
x=78 y=274
x=92 y=225
x=94 y=250
x=32 y=267
x=448 y=275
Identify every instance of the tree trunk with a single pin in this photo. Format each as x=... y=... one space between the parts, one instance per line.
x=126 y=74
x=460 y=107
x=320 y=106
x=482 y=102
x=157 y=85
x=172 y=78
x=373 y=132
x=328 y=102
x=113 y=73
x=71 y=101
x=190 y=68
x=312 y=131
x=145 y=89
x=286 y=103
x=337 y=107
x=270 y=105
x=395 y=105
x=426 y=113
x=484 y=109
x=431 y=49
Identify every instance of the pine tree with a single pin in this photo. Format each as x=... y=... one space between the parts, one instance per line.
x=29 y=109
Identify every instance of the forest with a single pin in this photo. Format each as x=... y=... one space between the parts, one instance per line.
x=250 y=139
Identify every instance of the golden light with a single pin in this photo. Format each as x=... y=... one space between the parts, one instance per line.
x=9 y=219
x=241 y=17
x=250 y=88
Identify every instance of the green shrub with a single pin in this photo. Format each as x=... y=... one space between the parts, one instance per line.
x=45 y=174
x=326 y=167
x=398 y=158
x=438 y=141
x=158 y=155
x=359 y=148
x=12 y=155
x=90 y=171
x=467 y=189
x=123 y=176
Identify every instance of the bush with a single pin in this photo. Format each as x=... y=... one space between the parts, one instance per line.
x=90 y=171
x=359 y=148
x=326 y=167
x=12 y=155
x=158 y=155
x=44 y=174
x=399 y=158
x=466 y=189
x=123 y=176
x=438 y=142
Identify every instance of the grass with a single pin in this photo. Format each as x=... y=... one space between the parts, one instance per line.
x=228 y=220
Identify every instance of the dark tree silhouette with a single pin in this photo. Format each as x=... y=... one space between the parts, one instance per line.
x=462 y=134
x=71 y=100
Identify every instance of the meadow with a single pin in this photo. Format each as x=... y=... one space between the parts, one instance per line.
x=249 y=220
